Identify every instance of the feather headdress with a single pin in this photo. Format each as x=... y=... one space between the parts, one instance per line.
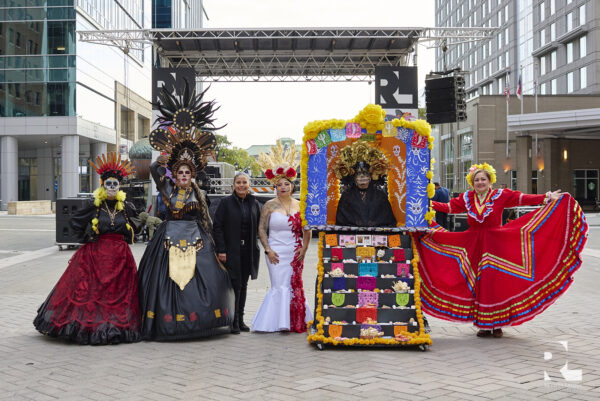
x=182 y=134
x=110 y=165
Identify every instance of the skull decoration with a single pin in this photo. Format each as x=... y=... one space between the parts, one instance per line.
x=314 y=209
x=334 y=150
x=396 y=150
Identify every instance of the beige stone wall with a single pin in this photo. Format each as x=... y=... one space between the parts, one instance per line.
x=30 y=208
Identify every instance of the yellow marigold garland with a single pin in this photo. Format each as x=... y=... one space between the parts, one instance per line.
x=372 y=118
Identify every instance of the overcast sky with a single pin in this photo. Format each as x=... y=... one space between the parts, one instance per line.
x=259 y=113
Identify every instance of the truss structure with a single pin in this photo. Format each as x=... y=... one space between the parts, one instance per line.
x=286 y=54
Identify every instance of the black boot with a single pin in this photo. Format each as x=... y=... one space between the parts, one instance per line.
x=235 y=327
x=242 y=305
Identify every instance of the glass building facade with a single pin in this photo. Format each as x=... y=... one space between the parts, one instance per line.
x=37 y=58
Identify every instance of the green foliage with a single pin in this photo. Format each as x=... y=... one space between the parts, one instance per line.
x=238 y=157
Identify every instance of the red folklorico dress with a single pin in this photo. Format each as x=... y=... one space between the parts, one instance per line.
x=494 y=275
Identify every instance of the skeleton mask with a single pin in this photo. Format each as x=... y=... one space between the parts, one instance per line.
x=314 y=209
x=112 y=187
x=396 y=150
x=334 y=150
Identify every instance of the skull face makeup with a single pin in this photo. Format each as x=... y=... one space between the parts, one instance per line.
x=112 y=187
x=184 y=176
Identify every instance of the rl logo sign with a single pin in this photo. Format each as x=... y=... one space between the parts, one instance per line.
x=570 y=375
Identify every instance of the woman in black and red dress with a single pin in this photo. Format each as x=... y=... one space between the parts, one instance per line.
x=96 y=299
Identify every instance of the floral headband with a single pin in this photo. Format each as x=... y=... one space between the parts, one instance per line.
x=478 y=167
x=282 y=171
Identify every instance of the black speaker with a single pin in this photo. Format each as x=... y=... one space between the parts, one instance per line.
x=65 y=209
x=445 y=99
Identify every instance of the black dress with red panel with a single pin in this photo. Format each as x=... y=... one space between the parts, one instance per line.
x=96 y=299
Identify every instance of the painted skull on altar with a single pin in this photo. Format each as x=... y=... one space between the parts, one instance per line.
x=334 y=150
x=314 y=209
x=396 y=150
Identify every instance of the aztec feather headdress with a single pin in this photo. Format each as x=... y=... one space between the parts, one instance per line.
x=181 y=134
x=110 y=165
x=279 y=163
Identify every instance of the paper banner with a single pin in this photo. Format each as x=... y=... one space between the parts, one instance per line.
x=323 y=139
x=337 y=135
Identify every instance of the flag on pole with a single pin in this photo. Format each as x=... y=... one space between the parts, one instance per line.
x=519 y=89
x=507 y=92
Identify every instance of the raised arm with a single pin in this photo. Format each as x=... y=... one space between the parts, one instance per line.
x=158 y=172
x=516 y=198
x=456 y=205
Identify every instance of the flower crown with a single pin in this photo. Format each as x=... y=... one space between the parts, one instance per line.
x=478 y=167
x=279 y=163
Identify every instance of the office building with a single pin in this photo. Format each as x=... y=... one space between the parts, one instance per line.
x=547 y=48
x=63 y=101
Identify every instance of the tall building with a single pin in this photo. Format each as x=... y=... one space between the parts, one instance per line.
x=551 y=42
x=177 y=14
x=63 y=101
x=544 y=48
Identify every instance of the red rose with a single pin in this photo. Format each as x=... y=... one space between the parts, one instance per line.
x=290 y=172
x=168 y=318
x=279 y=171
x=193 y=317
x=269 y=174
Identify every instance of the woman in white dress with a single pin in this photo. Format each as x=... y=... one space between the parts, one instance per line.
x=280 y=230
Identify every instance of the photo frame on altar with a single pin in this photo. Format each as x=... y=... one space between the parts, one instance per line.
x=394 y=153
x=363 y=240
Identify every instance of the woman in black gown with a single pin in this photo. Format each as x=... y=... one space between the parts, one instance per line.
x=96 y=299
x=185 y=292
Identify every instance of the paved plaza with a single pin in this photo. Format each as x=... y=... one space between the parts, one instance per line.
x=283 y=366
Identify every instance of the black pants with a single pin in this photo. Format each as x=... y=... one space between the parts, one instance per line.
x=240 y=283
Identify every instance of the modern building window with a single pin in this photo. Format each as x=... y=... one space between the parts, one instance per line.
x=582 y=77
x=543 y=65
x=553 y=32
x=554 y=87
x=570 y=79
x=542 y=11
x=582 y=46
x=543 y=89
x=570 y=52
x=585 y=183
x=569 y=21
x=542 y=37
x=552 y=7
x=513 y=179
x=506 y=38
x=501 y=85
x=553 y=61
x=582 y=14
x=466 y=146
x=506 y=13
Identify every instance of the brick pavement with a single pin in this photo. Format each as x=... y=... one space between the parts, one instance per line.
x=459 y=366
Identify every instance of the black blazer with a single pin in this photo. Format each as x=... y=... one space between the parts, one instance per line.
x=227 y=231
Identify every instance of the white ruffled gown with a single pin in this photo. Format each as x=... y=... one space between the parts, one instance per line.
x=274 y=312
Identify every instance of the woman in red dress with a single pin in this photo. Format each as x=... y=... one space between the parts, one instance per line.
x=96 y=299
x=493 y=275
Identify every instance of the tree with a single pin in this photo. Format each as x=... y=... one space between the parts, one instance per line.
x=238 y=157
